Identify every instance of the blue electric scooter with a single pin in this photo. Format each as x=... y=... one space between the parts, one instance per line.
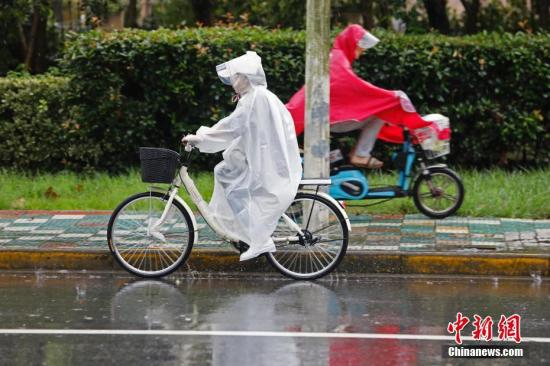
x=437 y=191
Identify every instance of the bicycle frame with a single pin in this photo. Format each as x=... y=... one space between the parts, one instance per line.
x=184 y=179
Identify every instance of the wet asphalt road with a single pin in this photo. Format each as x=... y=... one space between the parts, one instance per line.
x=373 y=305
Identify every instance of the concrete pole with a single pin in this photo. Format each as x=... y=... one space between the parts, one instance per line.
x=317 y=129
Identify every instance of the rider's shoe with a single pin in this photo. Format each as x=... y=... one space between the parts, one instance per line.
x=369 y=162
x=242 y=247
x=251 y=253
x=239 y=246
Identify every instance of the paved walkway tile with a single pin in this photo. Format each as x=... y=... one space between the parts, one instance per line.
x=88 y=230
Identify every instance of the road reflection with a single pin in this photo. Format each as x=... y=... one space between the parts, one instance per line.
x=291 y=307
x=381 y=304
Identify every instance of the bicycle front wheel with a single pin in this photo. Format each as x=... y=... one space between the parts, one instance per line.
x=319 y=248
x=139 y=246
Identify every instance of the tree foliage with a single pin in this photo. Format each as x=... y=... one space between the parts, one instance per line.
x=29 y=37
x=34 y=30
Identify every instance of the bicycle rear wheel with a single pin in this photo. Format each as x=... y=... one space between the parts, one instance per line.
x=136 y=248
x=321 y=247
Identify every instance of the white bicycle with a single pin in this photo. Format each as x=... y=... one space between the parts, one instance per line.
x=152 y=233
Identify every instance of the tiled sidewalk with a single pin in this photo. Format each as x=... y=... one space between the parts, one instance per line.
x=410 y=233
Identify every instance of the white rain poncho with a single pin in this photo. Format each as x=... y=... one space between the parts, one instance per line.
x=261 y=169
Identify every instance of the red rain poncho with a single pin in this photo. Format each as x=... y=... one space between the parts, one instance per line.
x=353 y=99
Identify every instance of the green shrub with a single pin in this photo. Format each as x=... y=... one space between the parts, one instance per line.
x=136 y=88
x=33 y=122
x=494 y=88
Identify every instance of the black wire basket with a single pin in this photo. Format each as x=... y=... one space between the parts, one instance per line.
x=158 y=165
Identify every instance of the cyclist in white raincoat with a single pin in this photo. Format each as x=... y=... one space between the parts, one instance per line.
x=261 y=169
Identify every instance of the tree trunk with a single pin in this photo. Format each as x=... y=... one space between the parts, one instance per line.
x=130 y=18
x=70 y=12
x=542 y=9
x=57 y=6
x=437 y=15
x=472 y=11
x=145 y=12
x=35 y=42
x=23 y=41
x=366 y=8
x=384 y=14
x=203 y=11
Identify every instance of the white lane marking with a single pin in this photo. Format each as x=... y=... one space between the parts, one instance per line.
x=21 y=228
x=380 y=247
x=133 y=217
x=47 y=231
x=451 y=230
x=34 y=237
x=519 y=220
x=428 y=337
x=416 y=245
x=68 y=217
x=484 y=222
x=75 y=235
x=30 y=221
x=415 y=222
x=382 y=224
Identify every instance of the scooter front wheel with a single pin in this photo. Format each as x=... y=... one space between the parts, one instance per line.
x=438 y=194
x=320 y=246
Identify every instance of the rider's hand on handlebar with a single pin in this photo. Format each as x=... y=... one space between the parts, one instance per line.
x=191 y=140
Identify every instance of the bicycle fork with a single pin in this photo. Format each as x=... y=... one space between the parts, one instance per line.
x=153 y=229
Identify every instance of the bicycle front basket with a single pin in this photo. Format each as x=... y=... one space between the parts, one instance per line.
x=432 y=145
x=158 y=165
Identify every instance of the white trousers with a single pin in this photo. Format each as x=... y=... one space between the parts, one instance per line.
x=369 y=131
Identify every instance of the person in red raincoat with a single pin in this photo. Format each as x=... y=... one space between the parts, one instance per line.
x=356 y=104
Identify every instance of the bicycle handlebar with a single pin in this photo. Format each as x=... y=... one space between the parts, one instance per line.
x=188 y=147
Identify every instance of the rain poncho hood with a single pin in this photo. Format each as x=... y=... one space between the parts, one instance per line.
x=353 y=99
x=260 y=172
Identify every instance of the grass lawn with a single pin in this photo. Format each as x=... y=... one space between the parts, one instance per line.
x=493 y=193
x=72 y=191
x=520 y=194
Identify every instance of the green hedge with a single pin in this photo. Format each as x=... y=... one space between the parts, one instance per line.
x=34 y=122
x=494 y=88
x=135 y=88
x=146 y=88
